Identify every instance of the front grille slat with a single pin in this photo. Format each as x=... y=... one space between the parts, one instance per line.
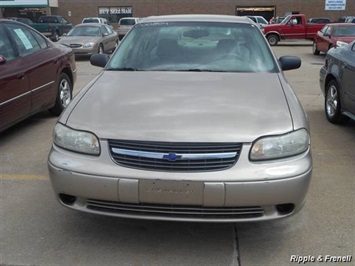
x=176 y=211
x=121 y=153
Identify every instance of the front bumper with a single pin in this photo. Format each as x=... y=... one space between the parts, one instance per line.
x=263 y=192
x=85 y=51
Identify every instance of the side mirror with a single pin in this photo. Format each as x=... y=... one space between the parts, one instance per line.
x=99 y=60
x=105 y=34
x=289 y=62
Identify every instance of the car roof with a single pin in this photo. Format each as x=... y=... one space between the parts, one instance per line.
x=89 y=24
x=341 y=24
x=10 y=20
x=93 y=18
x=197 y=18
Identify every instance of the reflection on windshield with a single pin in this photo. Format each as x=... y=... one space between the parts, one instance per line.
x=283 y=22
x=194 y=46
x=85 y=31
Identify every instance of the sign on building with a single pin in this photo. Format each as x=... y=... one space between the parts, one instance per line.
x=114 y=10
x=335 y=4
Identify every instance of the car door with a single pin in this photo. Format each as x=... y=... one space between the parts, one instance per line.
x=15 y=99
x=108 y=38
x=324 y=39
x=41 y=63
x=348 y=79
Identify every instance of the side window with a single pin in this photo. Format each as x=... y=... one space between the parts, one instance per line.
x=253 y=19
x=327 y=31
x=324 y=29
x=40 y=39
x=104 y=30
x=25 y=41
x=64 y=21
x=6 y=48
x=109 y=30
x=353 y=48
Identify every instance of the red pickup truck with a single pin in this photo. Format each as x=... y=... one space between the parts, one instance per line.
x=292 y=27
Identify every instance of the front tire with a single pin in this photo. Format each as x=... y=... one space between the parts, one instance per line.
x=64 y=94
x=273 y=39
x=314 y=48
x=332 y=104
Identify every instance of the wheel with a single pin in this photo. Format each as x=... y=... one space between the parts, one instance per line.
x=332 y=104
x=101 y=49
x=55 y=37
x=64 y=94
x=273 y=39
x=314 y=48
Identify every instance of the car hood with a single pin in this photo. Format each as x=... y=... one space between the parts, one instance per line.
x=78 y=39
x=183 y=106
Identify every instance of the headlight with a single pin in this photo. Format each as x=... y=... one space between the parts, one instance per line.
x=89 y=45
x=74 y=140
x=281 y=146
x=340 y=44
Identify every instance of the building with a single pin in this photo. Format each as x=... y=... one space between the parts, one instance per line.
x=113 y=10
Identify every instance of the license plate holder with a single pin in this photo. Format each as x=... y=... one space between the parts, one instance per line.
x=171 y=192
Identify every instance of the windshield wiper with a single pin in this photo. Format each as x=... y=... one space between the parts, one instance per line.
x=124 y=69
x=201 y=70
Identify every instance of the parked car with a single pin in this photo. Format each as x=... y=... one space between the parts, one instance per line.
x=124 y=25
x=91 y=38
x=343 y=19
x=22 y=20
x=350 y=20
x=52 y=26
x=319 y=20
x=191 y=119
x=292 y=27
x=337 y=79
x=333 y=35
x=35 y=74
x=96 y=20
x=261 y=21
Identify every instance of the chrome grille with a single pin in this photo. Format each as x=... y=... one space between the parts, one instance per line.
x=175 y=211
x=170 y=156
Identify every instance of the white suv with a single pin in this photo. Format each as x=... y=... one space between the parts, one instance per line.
x=96 y=20
x=125 y=24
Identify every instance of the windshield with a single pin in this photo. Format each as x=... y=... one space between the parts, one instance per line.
x=284 y=21
x=85 y=31
x=91 y=20
x=129 y=22
x=194 y=46
x=344 y=31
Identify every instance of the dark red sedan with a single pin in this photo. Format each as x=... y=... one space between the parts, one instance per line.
x=35 y=74
x=333 y=35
